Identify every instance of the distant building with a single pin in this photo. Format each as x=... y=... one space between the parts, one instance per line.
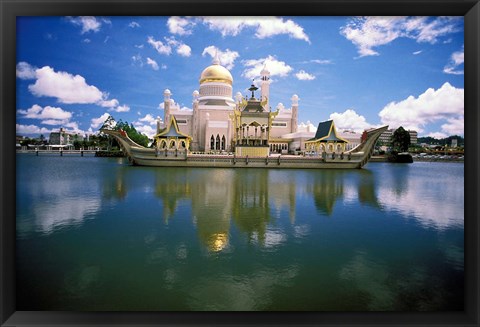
x=64 y=138
x=413 y=137
x=386 y=137
x=454 y=143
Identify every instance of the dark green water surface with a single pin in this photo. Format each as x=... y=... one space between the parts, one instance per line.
x=97 y=234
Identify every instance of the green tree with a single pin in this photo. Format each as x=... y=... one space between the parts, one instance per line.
x=132 y=133
x=400 y=140
x=77 y=144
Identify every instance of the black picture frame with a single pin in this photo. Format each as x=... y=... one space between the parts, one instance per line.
x=10 y=9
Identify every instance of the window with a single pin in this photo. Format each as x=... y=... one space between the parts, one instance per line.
x=283 y=124
x=181 y=122
x=217 y=143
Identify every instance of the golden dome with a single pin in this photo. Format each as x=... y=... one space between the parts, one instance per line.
x=216 y=73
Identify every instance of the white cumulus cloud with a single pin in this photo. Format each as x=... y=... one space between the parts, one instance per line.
x=87 y=23
x=443 y=104
x=274 y=66
x=184 y=50
x=227 y=57
x=162 y=48
x=438 y=135
x=148 y=119
x=123 y=108
x=152 y=63
x=98 y=122
x=456 y=60
x=25 y=71
x=168 y=44
x=134 y=24
x=67 y=88
x=109 y=103
x=31 y=129
x=37 y=112
x=304 y=76
x=145 y=129
x=367 y=33
x=180 y=26
x=264 y=26
x=454 y=126
x=350 y=120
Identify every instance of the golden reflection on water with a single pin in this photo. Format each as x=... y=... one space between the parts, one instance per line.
x=250 y=198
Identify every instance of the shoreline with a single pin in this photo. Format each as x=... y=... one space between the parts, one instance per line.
x=120 y=154
x=418 y=159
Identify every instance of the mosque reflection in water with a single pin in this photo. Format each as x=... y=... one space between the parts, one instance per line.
x=248 y=199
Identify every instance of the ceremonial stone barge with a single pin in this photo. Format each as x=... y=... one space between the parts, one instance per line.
x=139 y=155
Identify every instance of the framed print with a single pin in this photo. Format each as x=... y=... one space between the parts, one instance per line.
x=239 y=163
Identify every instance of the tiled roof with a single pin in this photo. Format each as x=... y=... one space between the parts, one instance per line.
x=326 y=132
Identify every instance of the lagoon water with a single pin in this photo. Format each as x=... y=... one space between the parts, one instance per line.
x=98 y=234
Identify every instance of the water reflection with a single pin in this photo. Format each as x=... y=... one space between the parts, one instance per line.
x=55 y=203
x=253 y=199
x=433 y=198
x=326 y=190
x=249 y=200
x=241 y=239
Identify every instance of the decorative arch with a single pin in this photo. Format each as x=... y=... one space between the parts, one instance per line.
x=172 y=144
x=223 y=143
x=212 y=143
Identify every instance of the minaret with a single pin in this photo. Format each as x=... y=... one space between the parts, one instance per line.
x=195 y=122
x=265 y=76
x=295 y=99
x=166 y=103
x=159 y=124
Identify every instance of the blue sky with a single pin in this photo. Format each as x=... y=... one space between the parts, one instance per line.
x=363 y=72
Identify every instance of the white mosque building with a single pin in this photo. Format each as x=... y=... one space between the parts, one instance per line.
x=211 y=125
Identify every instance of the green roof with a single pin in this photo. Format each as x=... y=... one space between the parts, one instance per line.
x=326 y=132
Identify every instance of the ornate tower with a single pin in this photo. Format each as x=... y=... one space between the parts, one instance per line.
x=195 y=121
x=295 y=99
x=265 y=76
x=159 y=124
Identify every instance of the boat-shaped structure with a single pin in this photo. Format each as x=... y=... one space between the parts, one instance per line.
x=158 y=157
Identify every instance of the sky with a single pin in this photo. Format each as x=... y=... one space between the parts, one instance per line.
x=362 y=72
